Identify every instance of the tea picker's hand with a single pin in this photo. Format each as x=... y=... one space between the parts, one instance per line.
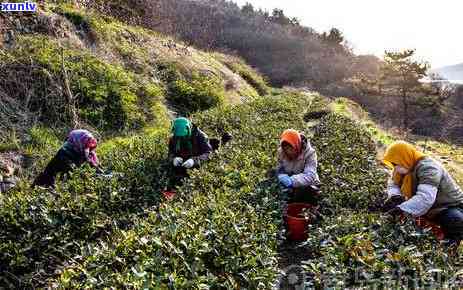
x=285 y=180
x=392 y=202
x=396 y=211
x=189 y=163
x=177 y=161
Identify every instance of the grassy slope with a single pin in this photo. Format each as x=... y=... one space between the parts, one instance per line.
x=122 y=77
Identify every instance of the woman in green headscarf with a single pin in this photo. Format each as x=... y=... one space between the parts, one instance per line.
x=189 y=146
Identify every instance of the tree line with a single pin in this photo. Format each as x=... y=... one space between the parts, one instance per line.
x=291 y=54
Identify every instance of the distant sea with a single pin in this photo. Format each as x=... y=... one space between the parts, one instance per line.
x=460 y=82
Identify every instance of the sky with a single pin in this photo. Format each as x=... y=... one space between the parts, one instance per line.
x=433 y=28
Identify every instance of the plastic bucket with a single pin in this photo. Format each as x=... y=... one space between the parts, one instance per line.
x=296 y=222
x=169 y=195
x=435 y=228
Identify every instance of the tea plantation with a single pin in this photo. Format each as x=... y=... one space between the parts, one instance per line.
x=222 y=229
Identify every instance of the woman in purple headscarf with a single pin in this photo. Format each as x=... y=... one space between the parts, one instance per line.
x=79 y=148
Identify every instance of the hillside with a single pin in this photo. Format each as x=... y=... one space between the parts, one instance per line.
x=66 y=64
x=71 y=66
x=452 y=72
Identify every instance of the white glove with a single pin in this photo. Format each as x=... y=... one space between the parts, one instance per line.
x=189 y=163
x=178 y=161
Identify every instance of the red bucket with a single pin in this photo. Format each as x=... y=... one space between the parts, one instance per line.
x=296 y=222
x=169 y=195
x=435 y=228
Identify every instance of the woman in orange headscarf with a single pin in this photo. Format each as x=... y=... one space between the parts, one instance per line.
x=428 y=189
x=297 y=168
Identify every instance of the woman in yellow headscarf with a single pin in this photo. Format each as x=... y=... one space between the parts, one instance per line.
x=426 y=186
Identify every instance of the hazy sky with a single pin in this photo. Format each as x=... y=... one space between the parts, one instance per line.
x=434 y=28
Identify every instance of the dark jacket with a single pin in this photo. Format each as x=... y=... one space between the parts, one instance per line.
x=64 y=161
x=200 y=151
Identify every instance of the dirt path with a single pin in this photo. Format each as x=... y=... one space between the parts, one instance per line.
x=292 y=254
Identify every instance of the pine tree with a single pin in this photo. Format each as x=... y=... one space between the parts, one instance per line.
x=401 y=76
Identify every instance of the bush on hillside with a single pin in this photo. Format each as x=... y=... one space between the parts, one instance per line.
x=201 y=93
x=105 y=95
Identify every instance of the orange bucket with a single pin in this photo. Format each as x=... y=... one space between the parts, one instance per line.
x=296 y=222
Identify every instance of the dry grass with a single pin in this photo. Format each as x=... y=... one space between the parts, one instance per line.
x=450 y=155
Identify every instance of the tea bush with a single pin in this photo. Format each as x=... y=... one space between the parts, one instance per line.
x=348 y=167
x=43 y=230
x=201 y=93
x=360 y=249
x=354 y=246
x=221 y=230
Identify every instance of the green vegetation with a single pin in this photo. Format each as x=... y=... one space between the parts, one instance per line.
x=107 y=96
x=450 y=155
x=246 y=72
x=348 y=166
x=223 y=229
x=353 y=110
x=201 y=93
x=360 y=249
x=116 y=75
x=138 y=243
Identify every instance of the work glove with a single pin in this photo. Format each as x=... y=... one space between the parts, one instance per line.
x=285 y=180
x=189 y=163
x=177 y=161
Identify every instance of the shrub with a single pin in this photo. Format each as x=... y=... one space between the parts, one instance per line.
x=42 y=229
x=348 y=166
x=106 y=94
x=251 y=76
x=201 y=93
x=221 y=229
x=366 y=250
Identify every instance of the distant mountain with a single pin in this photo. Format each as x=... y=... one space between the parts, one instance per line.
x=453 y=72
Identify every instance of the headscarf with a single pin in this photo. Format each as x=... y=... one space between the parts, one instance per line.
x=83 y=142
x=406 y=155
x=181 y=128
x=293 y=138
